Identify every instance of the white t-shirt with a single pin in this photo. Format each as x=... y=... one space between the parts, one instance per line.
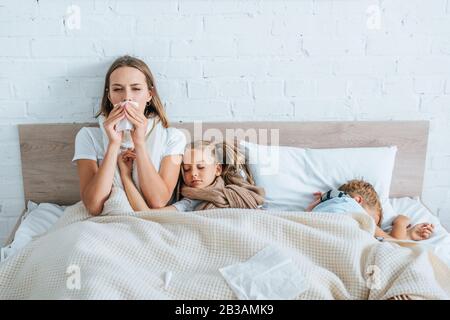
x=90 y=144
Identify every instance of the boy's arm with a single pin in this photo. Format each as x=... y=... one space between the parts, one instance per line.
x=399 y=228
x=380 y=233
x=136 y=200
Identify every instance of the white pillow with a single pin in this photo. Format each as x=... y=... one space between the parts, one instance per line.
x=36 y=221
x=291 y=175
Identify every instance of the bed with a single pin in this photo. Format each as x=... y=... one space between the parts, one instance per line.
x=46 y=151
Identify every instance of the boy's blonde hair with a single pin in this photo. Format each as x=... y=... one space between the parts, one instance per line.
x=366 y=191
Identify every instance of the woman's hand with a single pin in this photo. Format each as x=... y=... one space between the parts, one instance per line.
x=139 y=122
x=125 y=161
x=116 y=114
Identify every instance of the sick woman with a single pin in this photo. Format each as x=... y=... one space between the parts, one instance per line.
x=129 y=94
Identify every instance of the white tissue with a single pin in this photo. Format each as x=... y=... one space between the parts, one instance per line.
x=125 y=124
x=127 y=140
x=269 y=275
x=167 y=278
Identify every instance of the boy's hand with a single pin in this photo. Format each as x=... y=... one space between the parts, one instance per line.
x=317 y=198
x=421 y=231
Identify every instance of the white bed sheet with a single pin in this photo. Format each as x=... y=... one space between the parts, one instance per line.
x=37 y=220
x=439 y=242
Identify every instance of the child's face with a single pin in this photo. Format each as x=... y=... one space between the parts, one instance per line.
x=200 y=168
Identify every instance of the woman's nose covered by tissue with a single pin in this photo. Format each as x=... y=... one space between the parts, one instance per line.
x=125 y=124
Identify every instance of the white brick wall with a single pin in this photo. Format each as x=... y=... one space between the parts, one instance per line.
x=231 y=60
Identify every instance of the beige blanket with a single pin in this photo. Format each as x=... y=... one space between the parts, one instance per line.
x=119 y=255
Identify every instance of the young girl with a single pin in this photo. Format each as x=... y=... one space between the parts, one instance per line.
x=215 y=175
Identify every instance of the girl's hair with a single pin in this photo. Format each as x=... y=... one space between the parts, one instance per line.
x=228 y=155
x=154 y=108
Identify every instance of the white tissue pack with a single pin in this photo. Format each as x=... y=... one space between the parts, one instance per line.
x=269 y=275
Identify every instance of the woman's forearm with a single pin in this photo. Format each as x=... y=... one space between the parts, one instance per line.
x=99 y=188
x=134 y=197
x=152 y=185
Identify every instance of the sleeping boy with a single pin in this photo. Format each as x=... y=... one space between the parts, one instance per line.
x=360 y=196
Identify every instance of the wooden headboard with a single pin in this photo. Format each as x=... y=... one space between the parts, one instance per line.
x=49 y=176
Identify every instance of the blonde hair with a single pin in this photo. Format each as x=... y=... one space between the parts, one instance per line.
x=155 y=107
x=366 y=191
x=228 y=155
